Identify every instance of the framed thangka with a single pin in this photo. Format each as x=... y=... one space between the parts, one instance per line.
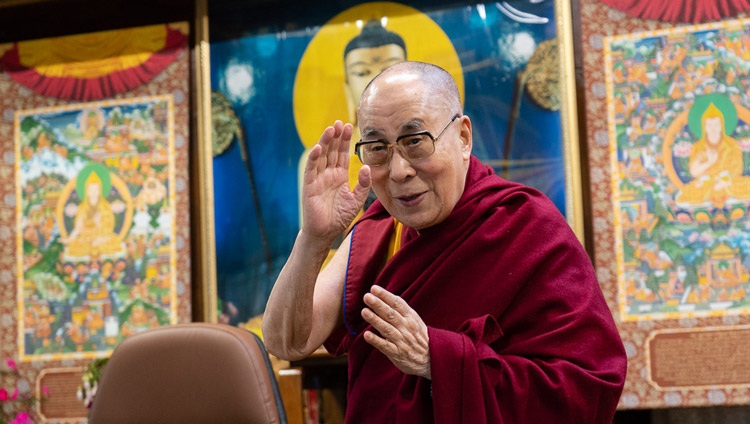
x=95 y=217
x=95 y=213
x=680 y=146
x=278 y=83
x=679 y=138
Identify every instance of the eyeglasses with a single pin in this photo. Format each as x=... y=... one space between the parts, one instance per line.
x=418 y=145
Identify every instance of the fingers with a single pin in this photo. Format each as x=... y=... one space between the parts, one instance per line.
x=343 y=148
x=389 y=299
x=332 y=151
x=333 y=147
x=320 y=160
x=364 y=180
x=387 y=313
x=335 y=143
x=402 y=337
x=386 y=328
x=312 y=161
x=388 y=339
x=380 y=343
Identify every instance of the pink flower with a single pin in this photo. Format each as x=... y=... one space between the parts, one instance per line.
x=22 y=418
x=3 y=395
x=45 y=391
x=11 y=364
x=15 y=394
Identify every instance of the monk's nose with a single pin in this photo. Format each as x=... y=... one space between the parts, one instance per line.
x=400 y=168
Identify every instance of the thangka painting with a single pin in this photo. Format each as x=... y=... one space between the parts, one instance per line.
x=278 y=84
x=95 y=227
x=679 y=130
x=95 y=218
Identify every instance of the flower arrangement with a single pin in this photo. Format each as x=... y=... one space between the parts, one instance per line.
x=90 y=381
x=16 y=407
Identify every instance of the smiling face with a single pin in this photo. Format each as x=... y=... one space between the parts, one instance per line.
x=423 y=192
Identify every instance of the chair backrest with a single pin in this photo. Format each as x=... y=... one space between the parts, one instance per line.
x=188 y=373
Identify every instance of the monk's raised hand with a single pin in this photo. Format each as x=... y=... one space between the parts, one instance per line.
x=403 y=335
x=328 y=205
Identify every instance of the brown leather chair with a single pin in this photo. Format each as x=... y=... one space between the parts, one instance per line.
x=188 y=373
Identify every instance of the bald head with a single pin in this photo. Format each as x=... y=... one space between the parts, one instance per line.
x=434 y=80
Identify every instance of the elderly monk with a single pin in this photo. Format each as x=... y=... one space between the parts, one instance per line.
x=459 y=297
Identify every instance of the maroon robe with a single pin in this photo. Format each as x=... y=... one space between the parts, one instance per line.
x=519 y=329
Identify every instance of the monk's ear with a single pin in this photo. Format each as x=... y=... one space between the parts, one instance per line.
x=465 y=136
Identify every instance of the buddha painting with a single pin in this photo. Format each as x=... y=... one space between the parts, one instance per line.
x=94 y=234
x=715 y=162
x=91 y=124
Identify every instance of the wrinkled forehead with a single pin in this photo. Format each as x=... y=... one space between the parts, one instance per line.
x=397 y=104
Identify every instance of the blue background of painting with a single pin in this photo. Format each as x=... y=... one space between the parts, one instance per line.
x=244 y=276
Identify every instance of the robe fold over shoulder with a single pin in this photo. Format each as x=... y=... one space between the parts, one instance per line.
x=519 y=329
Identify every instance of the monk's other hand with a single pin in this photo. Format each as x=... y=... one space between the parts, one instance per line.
x=403 y=335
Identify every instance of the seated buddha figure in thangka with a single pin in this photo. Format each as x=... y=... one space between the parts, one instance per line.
x=94 y=230
x=715 y=164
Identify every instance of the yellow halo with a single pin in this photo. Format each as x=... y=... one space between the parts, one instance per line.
x=319 y=97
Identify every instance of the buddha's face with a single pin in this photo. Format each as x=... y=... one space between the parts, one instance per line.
x=363 y=64
x=713 y=130
x=93 y=192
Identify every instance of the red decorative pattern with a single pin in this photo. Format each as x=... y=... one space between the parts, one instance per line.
x=117 y=82
x=694 y=11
